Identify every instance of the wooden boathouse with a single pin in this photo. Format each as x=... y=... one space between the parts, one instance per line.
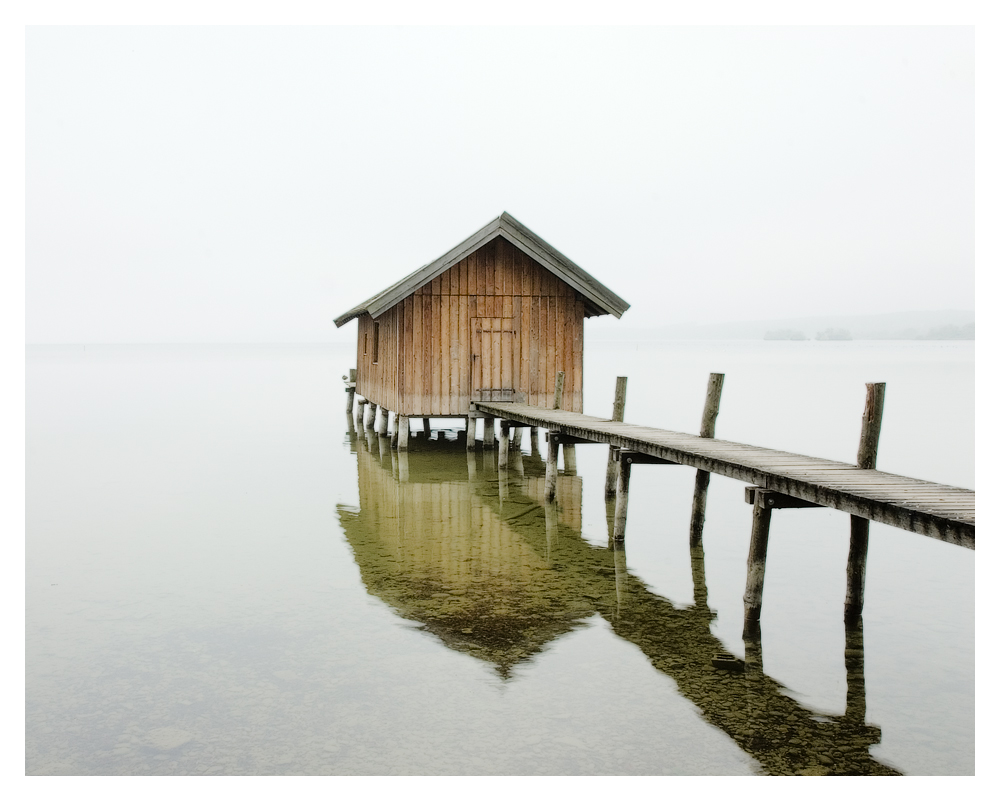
x=496 y=318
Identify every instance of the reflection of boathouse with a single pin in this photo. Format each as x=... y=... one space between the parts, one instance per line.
x=477 y=557
x=441 y=550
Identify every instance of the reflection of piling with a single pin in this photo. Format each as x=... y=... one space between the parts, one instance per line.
x=854 y=663
x=617 y=415
x=756 y=560
x=621 y=575
x=470 y=458
x=709 y=414
x=551 y=529
x=352 y=434
x=871 y=426
x=403 y=458
x=569 y=459
x=517 y=461
x=698 y=577
x=383 y=446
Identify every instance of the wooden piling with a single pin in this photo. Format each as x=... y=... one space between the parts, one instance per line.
x=552 y=466
x=427 y=427
x=383 y=421
x=710 y=413
x=352 y=382
x=394 y=429
x=756 y=562
x=403 y=433
x=569 y=459
x=621 y=497
x=470 y=433
x=617 y=415
x=489 y=434
x=515 y=441
x=504 y=445
x=857 y=557
x=533 y=439
x=361 y=413
x=370 y=416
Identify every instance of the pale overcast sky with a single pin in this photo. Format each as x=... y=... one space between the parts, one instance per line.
x=250 y=184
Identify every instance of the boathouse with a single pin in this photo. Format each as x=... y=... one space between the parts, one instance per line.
x=496 y=318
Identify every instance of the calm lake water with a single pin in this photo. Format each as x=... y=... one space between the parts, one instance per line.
x=222 y=578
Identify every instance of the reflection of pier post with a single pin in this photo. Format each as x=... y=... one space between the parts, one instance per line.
x=710 y=413
x=352 y=434
x=403 y=459
x=551 y=529
x=698 y=577
x=517 y=461
x=854 y=664
x=470 y=458
x=621 y=575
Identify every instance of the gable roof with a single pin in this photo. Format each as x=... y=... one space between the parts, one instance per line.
x=598 y=299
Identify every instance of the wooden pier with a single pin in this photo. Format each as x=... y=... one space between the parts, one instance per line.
x=934 y=510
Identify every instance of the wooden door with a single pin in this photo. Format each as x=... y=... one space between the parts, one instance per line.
x=493 y=351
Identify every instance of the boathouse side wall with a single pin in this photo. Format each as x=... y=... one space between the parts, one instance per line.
x=498 y=297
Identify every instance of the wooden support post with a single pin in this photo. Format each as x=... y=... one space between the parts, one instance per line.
x=361 y=413
x=857 y=557
x=569 y=459
x=533 y=439
x=352 y=379
x=621 y=497
x=383 y=421
x=394 y=440
x=370 y=416
x=617 y=415
x=504 y=445
x=515 y=441
x=403 y=432
x=489 y=434
x=427 y=427
x=552 y=466
x=470 y=433
x=708 y=417
x=756 y=562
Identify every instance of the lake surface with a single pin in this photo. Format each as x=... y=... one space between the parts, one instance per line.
x=222 y=577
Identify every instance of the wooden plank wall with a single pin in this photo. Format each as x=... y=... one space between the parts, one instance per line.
x=434 y=368
x=378 y=382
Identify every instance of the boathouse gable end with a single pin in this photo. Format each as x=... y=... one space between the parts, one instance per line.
x=494 y=323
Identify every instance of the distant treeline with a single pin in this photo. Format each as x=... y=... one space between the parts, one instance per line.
x=967 y=331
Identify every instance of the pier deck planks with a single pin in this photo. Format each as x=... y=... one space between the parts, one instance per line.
x=934 y=510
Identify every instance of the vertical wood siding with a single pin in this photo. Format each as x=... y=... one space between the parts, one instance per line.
x=426 y=342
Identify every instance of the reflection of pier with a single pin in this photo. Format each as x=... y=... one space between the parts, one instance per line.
x=477 y=557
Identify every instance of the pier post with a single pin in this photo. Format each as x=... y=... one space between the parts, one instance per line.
x=403 y=432
x=427 y=427
x=370 y=416
x=352 y=383
x=489 y=434
x=504 y=445
x=617 y=416
x=361 y=413
x=394 y=429
x=515 y=440
x=533 y=439
x=383 y=421
x=621 y=497
x=470 y=433
x=552 y=466
x=708 y=417
x=756 y=562
x=857 y=557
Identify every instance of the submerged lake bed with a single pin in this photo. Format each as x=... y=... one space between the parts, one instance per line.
x=224 y=577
